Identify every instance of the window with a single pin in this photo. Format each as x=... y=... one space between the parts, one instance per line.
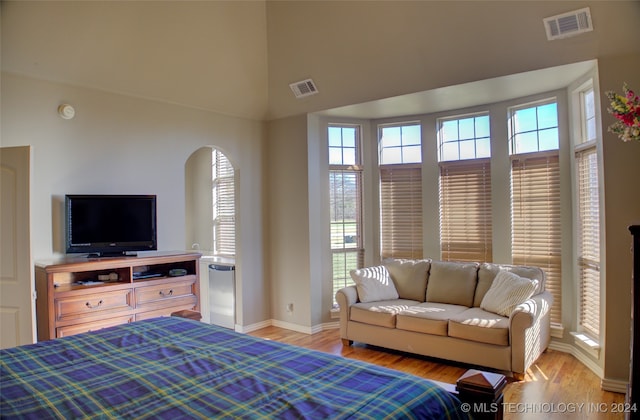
x=535 y=195
x=400 y=191
x=588 y=113
x=345 y=197
x=589 y=241
x=588 y=218
x=400 y=144
x=465 y=189
x=534 y=129
x=224 y=218
x=464 y=138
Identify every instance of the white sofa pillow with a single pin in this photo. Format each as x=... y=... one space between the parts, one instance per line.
x=507 y=291
x=374 y=284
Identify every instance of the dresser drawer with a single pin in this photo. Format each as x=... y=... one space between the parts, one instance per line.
x=83 y=305
x=92 y=326
x=165 y=294
x=164 y=311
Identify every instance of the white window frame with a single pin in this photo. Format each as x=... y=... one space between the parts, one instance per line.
x=339 y=280
x=537 y=156
x=583 y=143
x=400 y=240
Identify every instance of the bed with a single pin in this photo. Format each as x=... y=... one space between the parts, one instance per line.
x=175 y=368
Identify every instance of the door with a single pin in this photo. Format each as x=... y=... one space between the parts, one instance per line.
x=16 y=279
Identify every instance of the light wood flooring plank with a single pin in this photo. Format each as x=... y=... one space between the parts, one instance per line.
x=558 y=386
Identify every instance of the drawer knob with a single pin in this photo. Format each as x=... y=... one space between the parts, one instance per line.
x=163 y=294
x=90 y=306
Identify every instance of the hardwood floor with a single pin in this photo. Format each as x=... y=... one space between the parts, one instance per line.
x=558 y=386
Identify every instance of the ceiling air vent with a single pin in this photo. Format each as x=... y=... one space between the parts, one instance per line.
x=568 y=24
x=304 y=88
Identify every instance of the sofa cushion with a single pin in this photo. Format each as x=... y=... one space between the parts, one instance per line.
x=452 y=282
x=428 y=318
x=409 y=276
x=380 y=313
x=507 y=291
x=374 y=284
x=479 y=325
x=488 y=271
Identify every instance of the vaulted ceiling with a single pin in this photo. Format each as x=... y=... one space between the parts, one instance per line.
x=237 y=58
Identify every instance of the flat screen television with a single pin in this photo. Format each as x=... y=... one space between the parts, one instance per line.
x=109 y=225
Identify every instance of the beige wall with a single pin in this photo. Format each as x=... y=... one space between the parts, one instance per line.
x=357 y=51
x=205 y=54
x=622 y=209
x=289 y=224
x=121 y=144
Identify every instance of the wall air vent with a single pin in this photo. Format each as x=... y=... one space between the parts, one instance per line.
x=568 y=24
x=304 y=88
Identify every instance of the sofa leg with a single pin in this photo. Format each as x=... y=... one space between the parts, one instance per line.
x=518 y=376
x=346 y=342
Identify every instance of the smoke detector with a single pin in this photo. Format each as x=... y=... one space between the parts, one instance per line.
x=304 y=88
x=568 y=24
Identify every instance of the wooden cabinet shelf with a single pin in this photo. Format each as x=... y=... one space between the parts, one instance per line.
x=80 y=294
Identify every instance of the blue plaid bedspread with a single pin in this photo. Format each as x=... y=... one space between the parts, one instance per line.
x=177 y=368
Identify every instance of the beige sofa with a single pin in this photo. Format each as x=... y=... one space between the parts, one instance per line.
x=449 y=310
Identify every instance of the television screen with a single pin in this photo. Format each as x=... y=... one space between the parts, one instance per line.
x=110 y=224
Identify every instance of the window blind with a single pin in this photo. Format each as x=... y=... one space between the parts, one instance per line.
x=224 y=220
x=465 y=210
x=535 y=225
x=401 y=211
x=589 y=240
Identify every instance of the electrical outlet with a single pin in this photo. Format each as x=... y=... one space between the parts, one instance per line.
x=290 y=307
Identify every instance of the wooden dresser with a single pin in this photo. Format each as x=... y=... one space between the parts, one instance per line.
x=79 y=294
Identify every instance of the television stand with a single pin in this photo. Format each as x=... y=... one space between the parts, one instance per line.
x=72 y=298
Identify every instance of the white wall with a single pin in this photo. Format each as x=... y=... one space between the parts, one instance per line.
x=121 y=144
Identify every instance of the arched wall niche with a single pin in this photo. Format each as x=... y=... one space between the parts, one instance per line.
x=199 y=217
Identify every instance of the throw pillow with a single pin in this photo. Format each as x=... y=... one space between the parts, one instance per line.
x=374 y=284
x=452 y=282
x=409 y=276
x=507 y=291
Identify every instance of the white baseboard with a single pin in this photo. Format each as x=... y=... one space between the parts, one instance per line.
x=291 y=326
x=572 y=350
x=253 y=327
x=288 y=326
x=612 y=385
x=304 y=329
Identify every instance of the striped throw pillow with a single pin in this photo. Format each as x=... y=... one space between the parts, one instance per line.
x=507 y=291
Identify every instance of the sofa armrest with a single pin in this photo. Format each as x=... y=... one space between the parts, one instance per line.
x=530 y=330
x=346 y=297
